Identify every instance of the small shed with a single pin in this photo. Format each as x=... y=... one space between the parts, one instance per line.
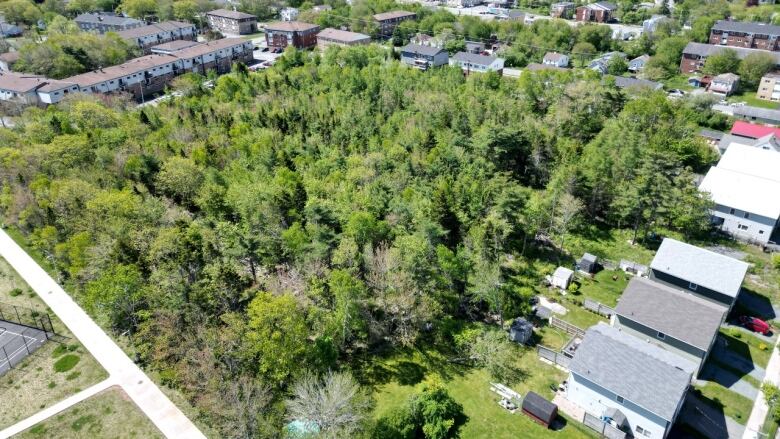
x=543 y=312
x=539 y=409
x=588 y=263
x=562 y=278
x=521 y=330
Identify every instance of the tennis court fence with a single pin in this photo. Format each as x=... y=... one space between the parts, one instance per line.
x=27 y=317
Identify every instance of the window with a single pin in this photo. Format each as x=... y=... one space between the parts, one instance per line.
x=746 y=215
x=640 y=430
x=692 y=286
x=760 y=232
x=731 y=211
x=661 y=335
x=619 y=399
x=743 y=227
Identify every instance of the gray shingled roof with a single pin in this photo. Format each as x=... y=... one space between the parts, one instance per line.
x=636 y=370
x=746 y=27
x=473 y=58
x=705 y=50
x=109 y=19
x=763 y=113
x=702 y=267
x=422 y=50
x=624 y=82
x=680 y=315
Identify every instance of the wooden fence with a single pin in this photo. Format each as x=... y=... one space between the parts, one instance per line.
x=553 y=356
x=570 y=329
x=598 y=308
x=602 y=427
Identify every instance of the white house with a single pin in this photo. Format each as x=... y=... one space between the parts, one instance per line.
x=619 y=376
x=423 y=57
x=555 y=59
x=471 y=62
x=745 y=186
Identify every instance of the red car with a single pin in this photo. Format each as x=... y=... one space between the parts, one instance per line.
x=755 y=325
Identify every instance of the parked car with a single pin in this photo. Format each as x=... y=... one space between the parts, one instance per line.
x=676 y=93
x=755 y=325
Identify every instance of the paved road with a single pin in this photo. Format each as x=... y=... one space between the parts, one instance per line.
x=146 y=395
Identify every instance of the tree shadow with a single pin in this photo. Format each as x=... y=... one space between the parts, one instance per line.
x=409 y=373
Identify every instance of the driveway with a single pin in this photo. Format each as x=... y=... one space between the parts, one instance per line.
x=122 y=371
x=709 y=421
x=729 y=380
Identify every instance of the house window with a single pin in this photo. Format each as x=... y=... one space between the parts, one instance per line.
x=640 y=430
x=743 y=227
x=619 y=399
x=760 y=232
x=661 y=336
x=692 y=286
x=746 y=215
x=731 y=211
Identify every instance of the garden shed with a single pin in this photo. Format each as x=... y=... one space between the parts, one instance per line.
x=562 y=278
x=539 y=409
x=521 y=330
x=588 y=263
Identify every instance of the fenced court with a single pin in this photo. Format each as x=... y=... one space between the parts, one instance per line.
x=22 y=332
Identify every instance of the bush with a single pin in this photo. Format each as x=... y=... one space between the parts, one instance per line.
x=763 y=346
x=16 y=292
x=59 y=350
x=66 y=363
x=73 y=375
x=776 y=261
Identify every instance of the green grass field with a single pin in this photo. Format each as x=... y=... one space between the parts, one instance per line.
x=748 y=346
x=749 y=98
x=398 y=376
x=605 y=287
x=733 y=404
x=109 y=414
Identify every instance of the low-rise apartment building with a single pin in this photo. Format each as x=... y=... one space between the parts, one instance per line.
x=750 y=35
x=158 y=33
x=563 y=10
x=388 y=21
x=695 y=54
x=336 y=37
x=20 y=87
x=599 y=12
x=102 y=22
x=769 y=88
x=232 y=22
x=300 y=35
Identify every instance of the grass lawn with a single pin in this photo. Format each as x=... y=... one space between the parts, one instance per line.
x=602 y=288
x=770 y=426
x=610 y=244
x=398 y=376
x=678 y=81
x=762 y=277
x=747 y=346
x=34 y=384
x=749 y=97
x=733 y=404
x=109 y=414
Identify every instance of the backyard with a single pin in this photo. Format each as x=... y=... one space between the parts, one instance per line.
x=109 y=414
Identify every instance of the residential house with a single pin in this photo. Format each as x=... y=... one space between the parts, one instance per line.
x=388 y=21
x=697 y=271
x=291 y=33
x=601 y=63
x=330 y=36
x=769 y=88
x=695 y=54
x=724 y=84
x=770 y=142
x=752 y=35
x=744 y=187
x=423 y=57
x=231 y=22
x=475 y=47
x=651 y=24
x=752 y=130
x=555 y=59
x=681 y=323
x=563 y=10
x=7 y=60
x=8 y=30
x=637 y=384
x=427 y=40
x=102 y=22
x=289 y=14
x=599 y=12
x=757 y=114
x=637 y=64
x=154 y=34
x=635 y=84
x=471 y=62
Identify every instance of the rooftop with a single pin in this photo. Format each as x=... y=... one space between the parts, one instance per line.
x=421 y=50
x=211 y=46
x=602 y=6
x=133 y=66
x=763 y=113
x=392 y=15
x=752 y=130
x=474 y=58
x=20 y=82
x=746 y=27
x=750 y=160
x=110 y=19
x=742 y=191
x=234 y=15
x=342 y=35
x=699 y=266
x=153 y=29
x=175 y=45
x=554 y=56
x=701 y=49
x=54 y=85
x=640 y=372
x=680 y=315
x=291 y=26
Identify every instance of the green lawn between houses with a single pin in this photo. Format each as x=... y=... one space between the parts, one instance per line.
x=749 y=98
x=398 y=376
x=733 y=404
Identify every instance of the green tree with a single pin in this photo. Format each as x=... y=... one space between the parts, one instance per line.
x=116 y=296
x=753 y=67
x=617 y=65
x=140 y=9
x=725 y=61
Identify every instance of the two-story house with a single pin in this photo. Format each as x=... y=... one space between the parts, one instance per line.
x=744 y=187
x=724 y=84
x=751 y=35
x=471 y=62
x=694 y=270
x=681 y=323
x=423 y=57
x=615 y=372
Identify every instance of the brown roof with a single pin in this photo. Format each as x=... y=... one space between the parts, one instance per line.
x=290 y=26
x=175 y=45
x=53 y=85
x=9 y=57
x=133 y=66
x=202 y=49
x=393 y=14
x=342 y=35
x=235 y=15
x=553 y=56
x=20 y=82
x=151 y=29
x=536 y=67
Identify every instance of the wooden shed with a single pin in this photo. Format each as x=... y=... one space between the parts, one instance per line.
x=539 y=409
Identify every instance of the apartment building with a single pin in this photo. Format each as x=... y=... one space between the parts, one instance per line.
x=102 y=22
x=300 y=35
x=154 y=34
x=388 y=21
x=769 y=88
x=695 y=54
x=750 y=35
x=232 y=22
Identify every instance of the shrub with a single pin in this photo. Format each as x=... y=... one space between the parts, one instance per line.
x=16 y=292
x=776 y=261
x=73 y=375
x=763 y=346
x=59 y=350
x=66 y=363
x=52 y=385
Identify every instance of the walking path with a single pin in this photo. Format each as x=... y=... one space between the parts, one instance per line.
x=56 y=408
x=124 y=373
x=760 y=408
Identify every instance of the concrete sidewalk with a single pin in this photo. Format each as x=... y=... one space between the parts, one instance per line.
x=760 y=407
x=144 y=393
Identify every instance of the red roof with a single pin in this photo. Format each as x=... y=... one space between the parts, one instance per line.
x=747 y=129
